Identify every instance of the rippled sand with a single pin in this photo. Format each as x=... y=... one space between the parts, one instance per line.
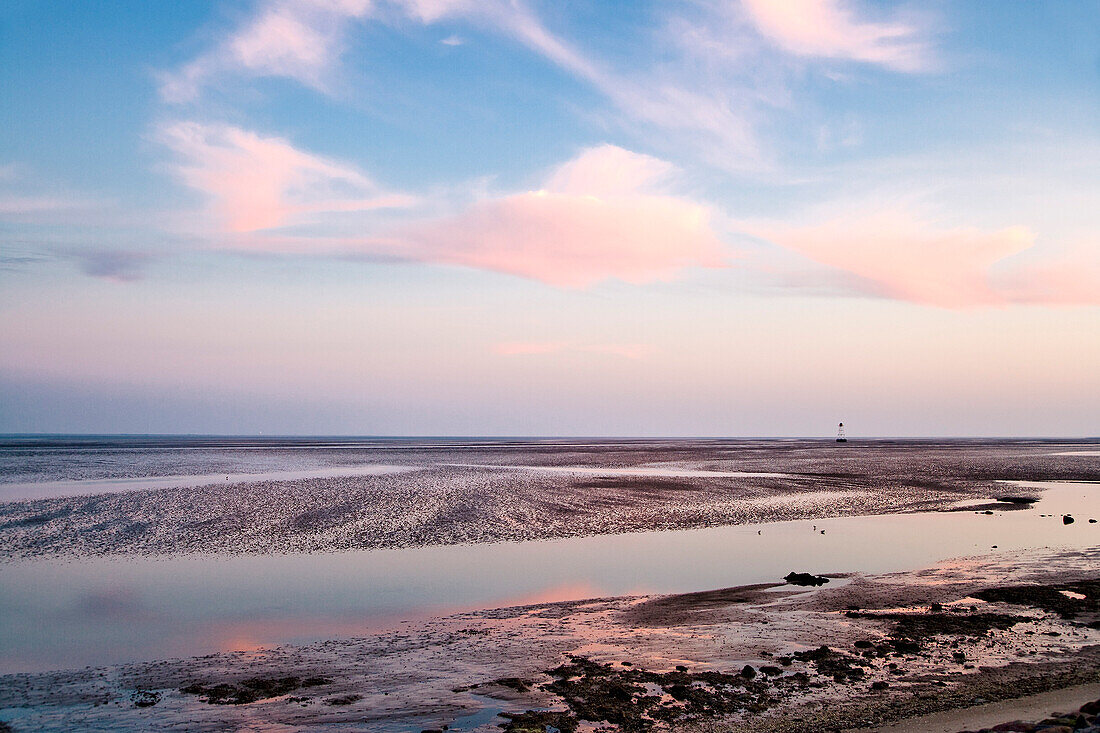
x=505 y=492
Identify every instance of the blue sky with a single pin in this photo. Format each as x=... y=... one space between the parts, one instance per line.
x=754 y=217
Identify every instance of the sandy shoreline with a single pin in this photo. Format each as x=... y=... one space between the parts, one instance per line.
x=879 y=667
x=996 y=713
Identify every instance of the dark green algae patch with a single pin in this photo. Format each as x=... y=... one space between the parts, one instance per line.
x=251 y=690
x=1050 y=598
x=914 y=628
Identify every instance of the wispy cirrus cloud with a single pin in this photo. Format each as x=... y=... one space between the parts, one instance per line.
x=256 y=182
x=19 y=204
x=304 y=40
x=835 y=29
x=710 y=89
x=112 y=264
x=296 y=39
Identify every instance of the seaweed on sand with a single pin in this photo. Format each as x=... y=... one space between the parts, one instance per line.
x=251 y=690
x=1060 y=599
x=636 y=699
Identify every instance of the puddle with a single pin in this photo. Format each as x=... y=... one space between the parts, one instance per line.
x=54 y=489
x=488 y=715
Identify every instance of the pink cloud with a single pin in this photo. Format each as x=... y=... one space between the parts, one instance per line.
x=907 y=259
x=600 y=216
x=255 y=182
x=574 y=241
x=831 y=29
x=1070 y=278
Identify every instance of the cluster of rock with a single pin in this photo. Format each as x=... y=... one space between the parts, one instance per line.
x=1084 y=720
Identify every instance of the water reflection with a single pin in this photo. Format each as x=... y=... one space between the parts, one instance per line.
x=52 y=489
x=71 y=613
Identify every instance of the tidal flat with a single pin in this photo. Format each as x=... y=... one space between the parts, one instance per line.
x=515 y=585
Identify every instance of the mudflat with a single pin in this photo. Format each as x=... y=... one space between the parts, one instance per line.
x=449 y=493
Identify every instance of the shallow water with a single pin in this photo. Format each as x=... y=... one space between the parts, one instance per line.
x=637 y=471
x=71 y=613
x=17 y=491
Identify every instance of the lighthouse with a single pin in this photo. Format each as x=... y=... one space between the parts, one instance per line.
x=840 y=434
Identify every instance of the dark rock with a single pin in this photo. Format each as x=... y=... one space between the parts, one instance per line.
x=748 y=672
x=905 y=646
x=1067 y=519
x=343 y=699
x=880 y=685
x=623 y=697
x=539 y=720
x=144 y=698
x=805 y=579
x=831 y=663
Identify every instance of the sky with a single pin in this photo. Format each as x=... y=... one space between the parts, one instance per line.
x=516 y=217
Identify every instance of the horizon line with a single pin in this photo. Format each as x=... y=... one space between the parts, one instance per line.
x=368 y=436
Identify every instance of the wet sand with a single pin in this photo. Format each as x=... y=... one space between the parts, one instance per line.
x=899 y=645
x=1031 y=707
x=517 y=492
